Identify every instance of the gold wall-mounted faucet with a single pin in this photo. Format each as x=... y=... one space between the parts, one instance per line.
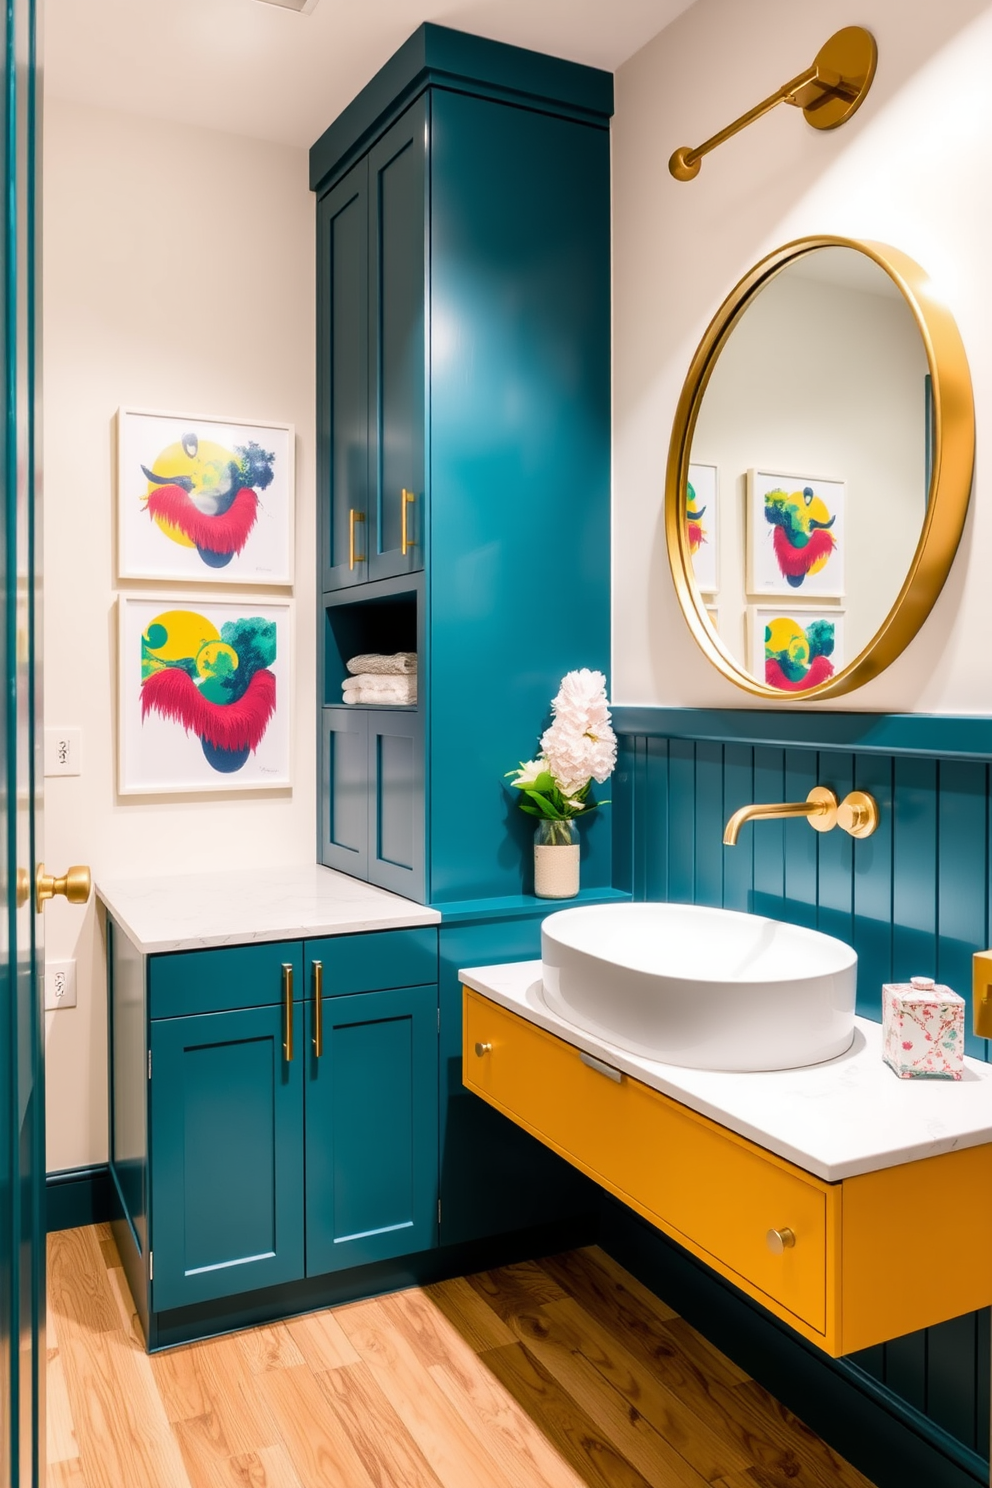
x=857 y=814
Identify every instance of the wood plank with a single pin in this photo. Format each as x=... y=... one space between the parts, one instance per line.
x=60 y=1431
x=390 y=1457
x=213 y=1380
x=569 y=1430
x=622 y=1279
x=124 y=1436
x=457 y=1456
x=78 y=1286
x=322 y=1341
x=126 y=1310
x=322 y=1454
x=817 y=1462
x=270 y=1347
x=467 y=1311
x=68 y=1474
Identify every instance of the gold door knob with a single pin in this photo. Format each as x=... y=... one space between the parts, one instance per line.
x=76 y=885
x=780 y=1241
x=481 y=1049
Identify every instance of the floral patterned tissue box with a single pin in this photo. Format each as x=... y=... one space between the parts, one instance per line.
x=923 y=1030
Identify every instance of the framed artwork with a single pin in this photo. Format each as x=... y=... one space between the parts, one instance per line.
x=795 y=535
x=204 y=694
x=203 y=499
x=792 y=648
x=701 y=526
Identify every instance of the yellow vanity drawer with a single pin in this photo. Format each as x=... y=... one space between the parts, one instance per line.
x=712 y=1191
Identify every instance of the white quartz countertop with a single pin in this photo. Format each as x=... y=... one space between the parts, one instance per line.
x=191 y=911
x=851 y=1115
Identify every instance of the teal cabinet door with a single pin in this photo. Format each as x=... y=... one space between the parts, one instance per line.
x=342 y=380
x=396 y=801
x=226 y=1154
x=371 y=1128
x=397 y=167
x=344 y=797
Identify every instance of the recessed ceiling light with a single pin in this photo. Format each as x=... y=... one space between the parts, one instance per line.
x=303 y=6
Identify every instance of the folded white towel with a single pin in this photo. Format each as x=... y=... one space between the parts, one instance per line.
x=369 y=687
x=400 y=664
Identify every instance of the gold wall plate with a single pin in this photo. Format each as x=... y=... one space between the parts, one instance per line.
x=950 y=485
x=852 y=56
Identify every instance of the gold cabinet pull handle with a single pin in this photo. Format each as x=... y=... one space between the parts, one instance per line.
x=287 y=1010
x=779 y=1241
x=353 y=557
x=318 y=1008
x=75 y=884
x=482 y=1049
x=406 y=541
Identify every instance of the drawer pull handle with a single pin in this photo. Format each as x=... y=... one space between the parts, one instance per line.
x=287 y=1007
x=779 y=1241
x=353 y=557
x=406 y=541
x=318 y=1008
x=601 y=1068
x=481 y=1049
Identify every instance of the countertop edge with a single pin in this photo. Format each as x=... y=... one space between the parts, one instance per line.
x=668 y=1084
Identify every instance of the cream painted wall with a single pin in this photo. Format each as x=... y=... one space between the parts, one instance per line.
x=913 y=168
x=178 y=274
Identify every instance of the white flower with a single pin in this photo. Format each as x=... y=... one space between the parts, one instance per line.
x=530 y=770
x=580 y=745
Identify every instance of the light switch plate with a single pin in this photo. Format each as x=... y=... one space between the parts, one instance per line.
x=60 y=985
x=63 y=751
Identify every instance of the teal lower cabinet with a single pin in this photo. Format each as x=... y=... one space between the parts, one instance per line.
x=227 y=1168
x=371 y=1128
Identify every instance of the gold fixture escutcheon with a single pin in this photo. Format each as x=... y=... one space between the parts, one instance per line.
x=779 y=1241
x=828 y=93
x=950 y=485
x=76 y=884
x=481 y=1049
x=858 y=814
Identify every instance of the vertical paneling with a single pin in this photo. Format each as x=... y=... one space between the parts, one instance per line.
x=915 y=898
x=873 y=887
x=962 y=897
x=681 y=820
x=708 y=885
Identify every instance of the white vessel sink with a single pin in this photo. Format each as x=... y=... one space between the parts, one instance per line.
x=705 y=988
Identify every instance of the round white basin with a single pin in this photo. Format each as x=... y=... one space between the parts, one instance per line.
x=706 y=988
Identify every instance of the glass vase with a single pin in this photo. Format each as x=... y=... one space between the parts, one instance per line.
x=556 y=859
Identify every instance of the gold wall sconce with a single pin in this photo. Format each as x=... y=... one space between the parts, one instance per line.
x=828 y=93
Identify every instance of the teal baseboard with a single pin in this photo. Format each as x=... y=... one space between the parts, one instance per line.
x=879 y=1434
x=77 y=1196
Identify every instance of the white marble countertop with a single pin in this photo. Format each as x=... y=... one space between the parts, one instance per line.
x=851 y=1115
x=191 y=911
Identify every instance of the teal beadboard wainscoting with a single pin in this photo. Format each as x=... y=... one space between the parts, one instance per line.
x=916 y=898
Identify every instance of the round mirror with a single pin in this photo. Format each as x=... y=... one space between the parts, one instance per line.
x=820 y=468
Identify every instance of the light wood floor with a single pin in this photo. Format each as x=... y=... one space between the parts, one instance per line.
x=555 y=1374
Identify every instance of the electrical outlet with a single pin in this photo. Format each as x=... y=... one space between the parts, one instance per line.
x=63 y=751
x=60 y=985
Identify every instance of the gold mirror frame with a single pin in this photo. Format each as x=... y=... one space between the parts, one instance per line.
x=950 y=481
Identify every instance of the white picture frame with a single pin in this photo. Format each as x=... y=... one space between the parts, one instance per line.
x=174 y=736
x=782 y=556
x=778 y=617
x=705 y=483
x=202 y=527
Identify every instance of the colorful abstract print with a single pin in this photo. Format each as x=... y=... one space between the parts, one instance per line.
x=796 y=659
x=802 y=540
x=203 y=496
x=695 y=530
x=214 y=683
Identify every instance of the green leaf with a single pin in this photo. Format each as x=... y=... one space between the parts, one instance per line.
x=547 y=807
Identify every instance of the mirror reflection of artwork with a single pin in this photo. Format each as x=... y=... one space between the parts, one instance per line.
x=793 y=650
x=701 y=524
x=796 y=533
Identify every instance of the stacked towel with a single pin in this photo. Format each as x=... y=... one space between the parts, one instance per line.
x=382 y=680
x=400 y=664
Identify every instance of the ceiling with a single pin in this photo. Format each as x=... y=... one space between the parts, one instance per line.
x=261 y=70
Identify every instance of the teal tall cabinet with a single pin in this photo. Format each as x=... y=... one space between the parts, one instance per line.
x=463 y=210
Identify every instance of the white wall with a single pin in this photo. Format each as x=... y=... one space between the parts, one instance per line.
x=178 y=274
x=913 y=168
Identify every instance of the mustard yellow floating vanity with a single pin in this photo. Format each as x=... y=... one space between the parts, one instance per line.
x=894 y=1182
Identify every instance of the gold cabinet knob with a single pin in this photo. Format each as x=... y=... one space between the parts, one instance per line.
x=481 y=1049
x=76 y=885
x=779 y=1241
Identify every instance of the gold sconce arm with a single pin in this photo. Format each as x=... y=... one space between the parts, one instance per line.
x=828 y=93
